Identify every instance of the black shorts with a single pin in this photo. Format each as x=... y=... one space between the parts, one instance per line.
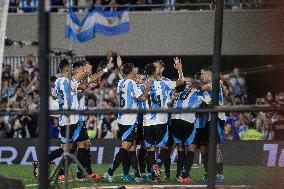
x=183 y=132
x=156 y=135
x=219 y=135
x=201 y=137
x=78 y=133
x=139 y=134
x=127 y=132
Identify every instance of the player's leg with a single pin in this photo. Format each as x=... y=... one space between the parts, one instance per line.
x=188 y=135
x=177 y=133
x=162 y=136
x=142 y=151
x=204 y=150
x=149 y=142
x=219 y=154
x=128 y=136
x=134 y=162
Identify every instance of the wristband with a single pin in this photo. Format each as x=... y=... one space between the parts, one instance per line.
x=105 y=70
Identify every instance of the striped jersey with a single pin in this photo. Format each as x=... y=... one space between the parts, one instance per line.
x=128 y=94
x=158 y=94
x=189 y=99
x=140 y=105
x=62 y=94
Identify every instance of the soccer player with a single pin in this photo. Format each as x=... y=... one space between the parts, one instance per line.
x=155 y=124
x=184 y=130
x=206 y=77
x=128 y=94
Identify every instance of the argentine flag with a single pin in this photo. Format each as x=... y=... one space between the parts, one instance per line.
x=96 y=22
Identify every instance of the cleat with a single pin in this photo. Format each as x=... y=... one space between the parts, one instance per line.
x=61 y=178
x=204 y=179
x=146 y=178
x=108 y=177
x=138 y=179
x=186 y=180
x=94 y=176
x=35 y=169
x=127 y=178
x=157 y=173
x=179 y=179
x=219 y=179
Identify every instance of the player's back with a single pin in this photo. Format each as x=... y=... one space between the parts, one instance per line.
x=128 y=93
x=158 y=96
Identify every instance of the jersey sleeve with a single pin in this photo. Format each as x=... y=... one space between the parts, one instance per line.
x=205 y=99
x=137 y=92
x=171 y=85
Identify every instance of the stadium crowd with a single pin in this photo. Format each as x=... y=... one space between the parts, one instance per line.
x=30 y=6
x=19 y=91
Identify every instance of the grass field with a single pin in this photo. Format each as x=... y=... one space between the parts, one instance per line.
x=234 y=175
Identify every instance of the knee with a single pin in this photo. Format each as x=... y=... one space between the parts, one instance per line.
x=192 y=148
x=84 y=144
x=180 y=147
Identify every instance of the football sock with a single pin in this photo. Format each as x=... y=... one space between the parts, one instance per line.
x=120 y=156
x=180 y=162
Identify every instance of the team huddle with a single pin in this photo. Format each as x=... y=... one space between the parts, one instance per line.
x=155 y=133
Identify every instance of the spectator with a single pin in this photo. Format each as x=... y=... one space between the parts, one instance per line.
x=54 y=128
x=18 y=129
x=92 y=126
x=5 y=128
x=104 y=127
x=228 y=134
x=28 y=6
x=233 y=121
x=252 y=134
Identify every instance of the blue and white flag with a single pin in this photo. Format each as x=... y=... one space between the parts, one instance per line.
x=96 y=22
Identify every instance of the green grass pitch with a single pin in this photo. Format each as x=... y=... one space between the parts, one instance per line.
x=234 y=175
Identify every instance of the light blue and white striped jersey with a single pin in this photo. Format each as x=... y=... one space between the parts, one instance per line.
x=140 y=105
x=128 y=94
x=191 y=99
x=158 y=96
x=62 y=94
x=200 y=120
x=221 y=115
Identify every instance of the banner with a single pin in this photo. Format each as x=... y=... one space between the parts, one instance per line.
x=255 y=153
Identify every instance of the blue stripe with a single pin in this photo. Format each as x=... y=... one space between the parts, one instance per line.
x=176 y=141
x=190 y=138
x=130 y=91
x=112 y=30
x=146 y=144
x=77 y=131
x=165 y=88
x=74 y=18
x=66 y=90
x=119 y=94
x=128 y=132
x=153 y=96
x=193 y=100
x=220 y=132
x=164 y=141
x=60 y=100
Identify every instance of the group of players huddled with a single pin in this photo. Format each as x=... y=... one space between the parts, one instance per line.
x=155 y=133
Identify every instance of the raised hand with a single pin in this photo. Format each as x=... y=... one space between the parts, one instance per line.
x=110 y=64
x=177 y=64
x=87 y=69
x=119 y=61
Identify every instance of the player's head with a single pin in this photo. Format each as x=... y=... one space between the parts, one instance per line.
x=150 y=70
x=64 y=67
x=195 y=84
x=206 y=75
x=141 y=76
x=78 y=65
x=128 y=70
x=160 y=67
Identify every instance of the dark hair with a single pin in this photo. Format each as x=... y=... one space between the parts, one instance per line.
x=180 y=88
x=141 y=71
x=209 y=68
x=197 y=76
x=53 y=79
x=160 y=62
x=78 y=64
x=63 y=63
x=127 y=68
x=196 y=84
x=150 y=69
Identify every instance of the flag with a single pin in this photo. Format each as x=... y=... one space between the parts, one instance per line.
x=79 y=31
x=96 y=22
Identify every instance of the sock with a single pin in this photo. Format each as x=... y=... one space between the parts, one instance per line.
x=88 y=160
x=180 y=162
x=165 y=158
x=55 y=154
x=151 y=161
x=148 y=162
x=62 y=168
x=120 y=156
x=81 y=156
x=142 y=160
x=126 y=165
x=188 y=163
x=219 y=168
x=205 y=162
x=134 y=163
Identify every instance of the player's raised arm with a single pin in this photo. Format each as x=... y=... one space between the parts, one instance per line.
x=85 y=70
x=99 y=74
x=178 y=66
